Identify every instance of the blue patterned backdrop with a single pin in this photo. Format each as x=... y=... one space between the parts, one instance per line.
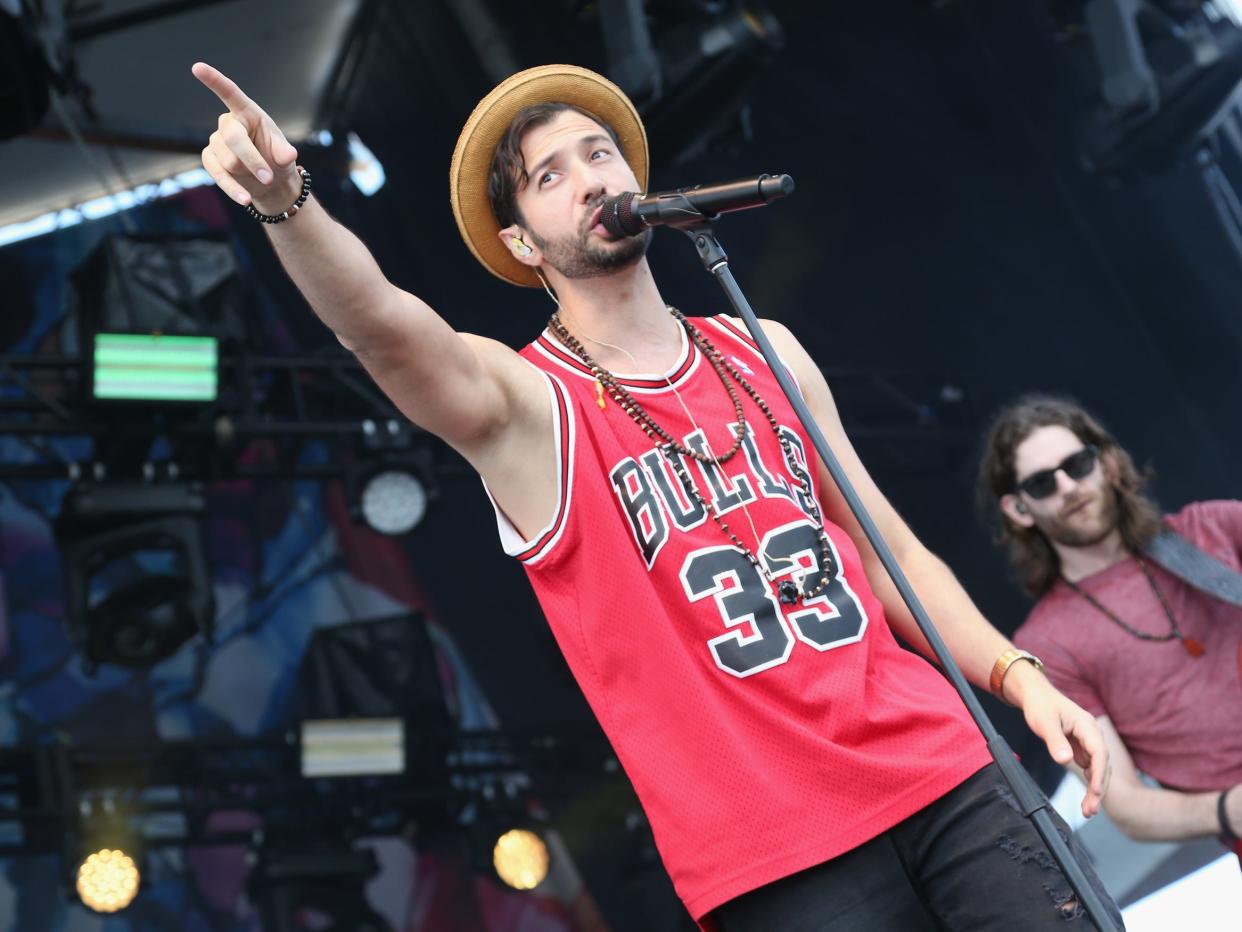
x=285 y=559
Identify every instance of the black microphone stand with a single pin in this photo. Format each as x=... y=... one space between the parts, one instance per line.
x=1029 y=799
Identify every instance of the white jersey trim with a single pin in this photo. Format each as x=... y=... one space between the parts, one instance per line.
x=563 y=436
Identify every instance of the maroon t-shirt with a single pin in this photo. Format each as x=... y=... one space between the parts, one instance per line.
x=1178 y=715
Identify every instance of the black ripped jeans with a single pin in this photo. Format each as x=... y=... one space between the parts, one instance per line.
x=969 y=861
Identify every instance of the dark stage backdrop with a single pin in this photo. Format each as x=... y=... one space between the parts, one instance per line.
x=286 y=560
x=943 y=236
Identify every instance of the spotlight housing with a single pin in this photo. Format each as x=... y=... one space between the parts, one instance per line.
x=26 y=74
x=108 y=880
x=693 y=79
x=392 y=501
x=390 y=490
x=1166 y=84
x=520 y=858
x=155 y=315
x=136 y=580
x=154 y=368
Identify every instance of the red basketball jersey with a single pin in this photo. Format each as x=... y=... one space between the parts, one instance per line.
x=762 y=738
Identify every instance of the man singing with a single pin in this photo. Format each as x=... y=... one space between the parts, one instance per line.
x=714 y=597
x=1154 y=658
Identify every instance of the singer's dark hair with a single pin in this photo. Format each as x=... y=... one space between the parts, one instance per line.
x=1034 y=561
x=507 y=175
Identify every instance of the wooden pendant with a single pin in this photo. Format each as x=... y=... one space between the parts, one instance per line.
x=1193 y=647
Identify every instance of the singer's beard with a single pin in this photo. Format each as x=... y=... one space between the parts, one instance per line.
x=1097 y=514
x=584 y=255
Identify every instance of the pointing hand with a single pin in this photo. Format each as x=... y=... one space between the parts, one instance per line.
x=248 y=156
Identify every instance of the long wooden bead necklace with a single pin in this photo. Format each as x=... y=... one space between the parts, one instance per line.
x=674 y=451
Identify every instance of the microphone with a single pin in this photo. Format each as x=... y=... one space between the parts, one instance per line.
x=630 y=213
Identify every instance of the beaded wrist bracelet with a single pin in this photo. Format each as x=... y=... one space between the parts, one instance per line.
x=297 y=205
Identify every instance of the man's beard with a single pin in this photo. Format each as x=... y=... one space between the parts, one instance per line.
x=580 y=256
x=1069 y=533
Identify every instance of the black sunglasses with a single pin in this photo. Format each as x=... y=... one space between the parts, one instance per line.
x=1077 y=466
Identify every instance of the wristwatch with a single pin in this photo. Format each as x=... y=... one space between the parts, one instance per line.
x=1002 y=665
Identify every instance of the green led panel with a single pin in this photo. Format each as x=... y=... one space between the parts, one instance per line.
x=154 y=367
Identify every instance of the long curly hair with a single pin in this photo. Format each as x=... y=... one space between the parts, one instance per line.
x=1034 y=561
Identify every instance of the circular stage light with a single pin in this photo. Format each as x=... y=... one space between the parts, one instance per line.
x=393 y=502
x=108 y=880
x=521 y=859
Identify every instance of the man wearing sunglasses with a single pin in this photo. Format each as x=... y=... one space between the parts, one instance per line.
x=1153 y=657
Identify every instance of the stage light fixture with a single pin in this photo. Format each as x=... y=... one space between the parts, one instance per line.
x=353 y=747
x=136 y=579
x=154 y=367
x=391 y=485
x=24 y=69
x=155 y=313
x=521 y=858
x=707 y=66
x=393 y=501
x=1168 y=80
x=108 y=880
x=371 y=702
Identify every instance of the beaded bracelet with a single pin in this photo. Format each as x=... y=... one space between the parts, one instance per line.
x=297 y=205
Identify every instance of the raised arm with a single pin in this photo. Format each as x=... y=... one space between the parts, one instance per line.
x=475 y=393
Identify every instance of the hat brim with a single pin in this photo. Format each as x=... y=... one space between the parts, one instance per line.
x=476 y=147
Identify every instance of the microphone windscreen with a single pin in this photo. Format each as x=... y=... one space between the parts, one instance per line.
x=617 y=215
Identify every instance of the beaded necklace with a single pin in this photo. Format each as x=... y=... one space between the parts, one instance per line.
x=673 y=450
x=1193 y=647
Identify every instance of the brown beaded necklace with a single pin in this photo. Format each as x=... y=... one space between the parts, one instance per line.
x=1193 y=647
x=674 y=451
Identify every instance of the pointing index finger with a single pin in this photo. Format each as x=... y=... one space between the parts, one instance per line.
x=225 y=88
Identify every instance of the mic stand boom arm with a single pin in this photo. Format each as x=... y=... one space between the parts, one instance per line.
x=1029 y=799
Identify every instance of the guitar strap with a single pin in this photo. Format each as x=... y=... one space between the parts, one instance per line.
x=1190 y=564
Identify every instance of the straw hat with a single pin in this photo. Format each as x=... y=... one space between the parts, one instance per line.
x=472 y=158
